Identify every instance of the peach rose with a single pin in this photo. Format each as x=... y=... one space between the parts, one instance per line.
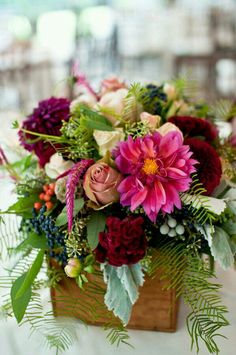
x=152 y=120
x=111 y=84
x=100 y=184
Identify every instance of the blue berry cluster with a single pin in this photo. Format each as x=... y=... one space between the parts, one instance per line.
x=155 y=97
x=55 y=238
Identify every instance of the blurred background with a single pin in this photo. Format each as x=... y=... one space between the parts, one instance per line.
x=135 y=39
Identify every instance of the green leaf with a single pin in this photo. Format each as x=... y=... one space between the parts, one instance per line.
x=23 y=205
x=31 y=275
x=95 y=225
x=19 y=304
x=101 y=123
x=221 y=248
x=15 y=124
x=62 y=218
x=24 y=163
x=122 y=288
x=37 y=241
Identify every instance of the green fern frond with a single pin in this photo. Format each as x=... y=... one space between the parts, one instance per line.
x=223 y=110
x=197 y=202
x=134 y=102
x=189 y=275
x=9 y=235
x=186 y=86
x=117 y=335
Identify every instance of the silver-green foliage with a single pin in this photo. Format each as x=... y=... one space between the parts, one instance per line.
x=122 y=288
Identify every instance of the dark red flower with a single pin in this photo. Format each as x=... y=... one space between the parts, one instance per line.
x=193 y=127
x=46 y=119
x=123 y=243
x=209 y=169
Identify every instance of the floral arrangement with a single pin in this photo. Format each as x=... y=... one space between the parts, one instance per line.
x=119 y=183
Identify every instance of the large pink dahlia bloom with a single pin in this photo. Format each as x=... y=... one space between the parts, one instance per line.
x=157 y=168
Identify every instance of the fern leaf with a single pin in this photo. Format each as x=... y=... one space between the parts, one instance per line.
x=197 y=203
x=223 y=110
x=186 y=85
x=189 y=275
x=133 y=103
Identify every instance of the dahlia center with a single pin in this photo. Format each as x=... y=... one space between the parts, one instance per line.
x=150 y=166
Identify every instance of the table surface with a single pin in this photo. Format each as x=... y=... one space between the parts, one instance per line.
x=91 y=340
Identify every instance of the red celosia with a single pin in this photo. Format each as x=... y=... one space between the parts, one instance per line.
x=193 y=127
x=209 y=168
x=123 y=243
x=46 y=119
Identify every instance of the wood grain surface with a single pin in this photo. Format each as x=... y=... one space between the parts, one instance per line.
x=156 y=309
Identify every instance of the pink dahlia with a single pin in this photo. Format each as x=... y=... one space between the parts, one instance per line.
x=157 y=168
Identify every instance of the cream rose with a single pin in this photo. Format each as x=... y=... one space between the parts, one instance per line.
x=152 y=120
x=100 y=184
x=108 y=140
x=114 y=101
x=87 y=99
x=168 y=127
x=170 y=91
x=57 y=165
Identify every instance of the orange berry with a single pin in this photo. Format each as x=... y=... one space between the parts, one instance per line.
x=52 y=186
x=47 y=197
x=37 y=205
x=45 y=187
x=41 y=196
x=50 y=192
x=49 y=205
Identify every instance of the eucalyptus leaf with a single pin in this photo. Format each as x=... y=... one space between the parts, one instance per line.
x=19 y=304
x=31 y=275
x=95 y=225
x=62 y=218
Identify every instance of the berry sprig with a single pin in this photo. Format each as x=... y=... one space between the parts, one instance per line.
x=43 y=224
x=46 y=196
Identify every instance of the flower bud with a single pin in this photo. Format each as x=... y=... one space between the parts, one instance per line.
x=73 y=267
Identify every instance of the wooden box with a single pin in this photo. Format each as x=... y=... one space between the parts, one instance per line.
x=155 y=309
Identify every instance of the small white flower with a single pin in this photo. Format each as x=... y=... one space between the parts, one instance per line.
x=60 y=189
x=57 y=165
x=107 y=140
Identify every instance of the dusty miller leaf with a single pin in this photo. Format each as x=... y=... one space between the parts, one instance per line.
x=221 y=248
x=122 y=288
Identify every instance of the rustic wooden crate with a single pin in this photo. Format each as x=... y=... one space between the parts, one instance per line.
x=155 y=309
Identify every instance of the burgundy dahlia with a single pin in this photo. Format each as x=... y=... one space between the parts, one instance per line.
x=123 y=243
x=46 y=119
x=209 y=169
x=193 y=127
